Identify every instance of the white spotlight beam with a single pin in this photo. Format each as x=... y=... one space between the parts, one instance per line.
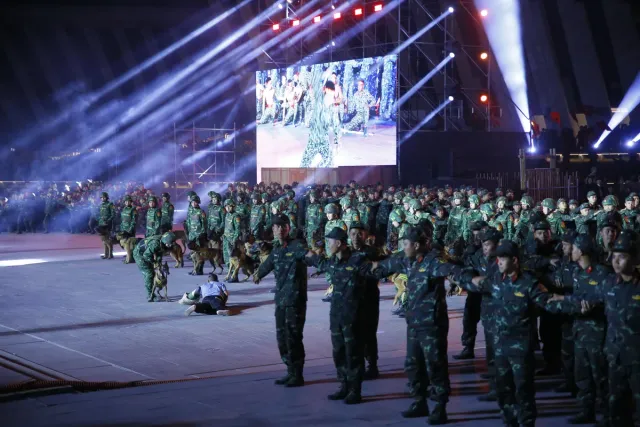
x=423 y=30
x=421 y=83
x=504 y=32
x=629 y=103
x=426 y=120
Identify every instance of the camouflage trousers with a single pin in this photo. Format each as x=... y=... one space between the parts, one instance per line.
x=591 y=374
x=348 y=350
x=426 y=363
x=371 y=318
x=567 y=351
x=228 y=245
x=318 y=143
x=515 y=365
x=489 y=338
x=268 y=115
x=147 y=271
x=470 y=319
x=359 y=120
x=289 y=332
x=624 y=392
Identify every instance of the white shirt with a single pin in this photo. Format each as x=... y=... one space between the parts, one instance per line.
x=213 y=289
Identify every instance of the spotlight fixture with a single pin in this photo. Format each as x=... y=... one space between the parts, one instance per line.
x=483 y=98
x=484 y=55
x=377 y=8
x=316 y=19
x=452 y=55
x=279 y=5
x=276 y=27
x=484 y=13
x=450 y=98
x=337 y=15
x=451 y=9
x=532 y=149
x=295 y=22
x=358 y=12
x=333 y=43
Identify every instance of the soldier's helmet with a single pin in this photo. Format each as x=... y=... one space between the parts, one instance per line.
x=190 y=194
x=345 y=202
x=610 y=201
x=572 y=202
x=291 y=194
x=127 y=198
x=458 y=196
x=229 y=202
x=331 y=209
x=627 y=242
x=196 y=199
x=415 y=204
x=548 y=203
x=396 y=216
x=474 y=199
x=561 y=200
x=406 y=200
x=265 y=197
x=166 y=195
x=105 y=195
x=501 y=199
x=526 y=200
x=487 y=209
x=152 y=199
x=629 y=198
x=255 y=196
x=168 y=238
x=398 y=195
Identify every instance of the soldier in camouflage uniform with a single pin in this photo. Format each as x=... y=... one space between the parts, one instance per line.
x=315 y=219
x=105 y=225
x=524 y=221
x=364 y=210
x=455 y=220
x=360 y=102
x=630 y=215
x=515 y=293
x=50 y=205
x=185 y=225
x=128 y=223
x=166 y=222
x=333 y=221
x=505 y=218
x=258 y=217
x=440 y=223
x=287 y=261
x=148 y=253
x=154 y=218
x=382 y=218
x=197 y=222
x=619 y=295
x=349 y=214
x=348 y=272
x=231 y=233
x=472 y=215
x=215 y=217
x=583 y=218
x=427 y=322
x=244 y=211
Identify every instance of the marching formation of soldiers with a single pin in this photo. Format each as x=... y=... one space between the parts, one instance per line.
x=559 y=272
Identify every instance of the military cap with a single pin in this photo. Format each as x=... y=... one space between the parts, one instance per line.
x=415 y=204
x=265 y=196
x=541 y=225
x=507 y=248
x=501 y=199
x=291 y=193
x=491 y=234
x=168 y=238
x=573 y=202
x=447 y=187
x=609 y=221
x=127 y=198
x=439 y=208
x=561 y=200
x=104 y=194
x=345 y=202
x=626 y=243
x=337 y=233
x=516 y=203
x=629 y=198
x=591 y=193
x=474 y=199
x=478 y=225
x=509 y=191
x=487 y=208
x=229 y=202
x=633 y=194
x=153 y=199
x=357 y=224
x=498 y=190
x=255 y=196
x=213 y=194
x=584 y=206
x=457 y=196
x=396 y=216
x=548 y=203
x=398 y=195
x=610 y=201
x=440 y=190
x=584 y=243
x=280 y=219
x=415 y=235
x=331 y=209
x=569 y=236
x=526 y=200
x=190 y=194
x=167 y=195
x=194 y=199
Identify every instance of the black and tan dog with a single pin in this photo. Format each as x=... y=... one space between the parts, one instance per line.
x=213 y=255
x=160 y=281
x=239 y=260
x=178 y=250
x=128 y=243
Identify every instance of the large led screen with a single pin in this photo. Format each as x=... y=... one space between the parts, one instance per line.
x=327 y=115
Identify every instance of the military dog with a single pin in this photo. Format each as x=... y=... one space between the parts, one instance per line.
x=239 y=260
x=128 y=243
x=160 y=281
x=178 y=250
x=213 y=255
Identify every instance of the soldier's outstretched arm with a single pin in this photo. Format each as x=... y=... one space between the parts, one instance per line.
x=265 y=268
x=388 y=266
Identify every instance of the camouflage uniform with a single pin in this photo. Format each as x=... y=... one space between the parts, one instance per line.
x=455 y=221
x=522 y=228
x=197 y=221
x=330 y=225
x=105 y=225
x=166 y=222
x=147 y=253
x=360 y=101
x=382 y=221
x=128 y=219
x=258 y=218
x=231 y=233
x=315 y=219
x=243 y=210
x=190 y=196
x=506 y=219
x=290 y=271
x=470 y=216
x=319 y=122
x=154 y=219
x=215 y=217
x=629 y=217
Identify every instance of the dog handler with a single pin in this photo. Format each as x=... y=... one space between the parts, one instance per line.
x=147 y=253
x=214 y=296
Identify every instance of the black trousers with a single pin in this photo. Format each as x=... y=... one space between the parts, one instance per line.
x=210 y=305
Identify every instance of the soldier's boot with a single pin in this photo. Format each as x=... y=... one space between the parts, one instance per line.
x=110 y=248
x=285 y=379
x=355 y=394
x=466 y=354
x=372 y=372
x=341 y=393
x=418 y=408
x=150 y=296
x=296 y=380
x=584 y=417
x=438 y=415
x=492 y=396
x=106 y=250
x=398 y=310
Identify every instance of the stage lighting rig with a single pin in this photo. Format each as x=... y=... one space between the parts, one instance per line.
x=358 y=11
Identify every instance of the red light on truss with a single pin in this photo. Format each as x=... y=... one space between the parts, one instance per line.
x=316 y=19
x=295 y=23
x=276 y=27
x=377 y=8
x=337 y=15
x=358 y=11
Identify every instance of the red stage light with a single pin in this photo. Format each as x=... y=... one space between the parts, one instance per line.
x=316 y=19
x=377 y=8
x=276 y=27
x=484 y=98
x=295 y=23
x=358 y=11
x=337 y=15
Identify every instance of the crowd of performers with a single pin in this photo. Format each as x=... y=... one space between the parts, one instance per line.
x=558 y=273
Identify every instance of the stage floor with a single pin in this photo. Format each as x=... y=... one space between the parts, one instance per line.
x=87 y=319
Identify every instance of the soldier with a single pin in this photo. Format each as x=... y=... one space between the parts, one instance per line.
x=608 y=234
x=185 y=225
x=505 y=218
x=319 y=122
x=360 y=102
x=618 y=294
x=315 y=219
x=592 y=199
x=287 y=263
x=472 y=215
x=427 y=322
x=524 y=220
x=333 y=221
x=456 y=217
x=364 y=211
x=440 y=223
x=197 y=222
x=630 y=215
x=583 y=218
x=154 y=218
x=514 y=293
x=258 y=217
x=50 y=205
x=548 y=209
x=243 y=210
x=105 y=225
x=166 y=222
x=231 y=233
x=148 y=253
x=128 y=222
x=215 y=217
x=564 y=216
x=349 y=214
